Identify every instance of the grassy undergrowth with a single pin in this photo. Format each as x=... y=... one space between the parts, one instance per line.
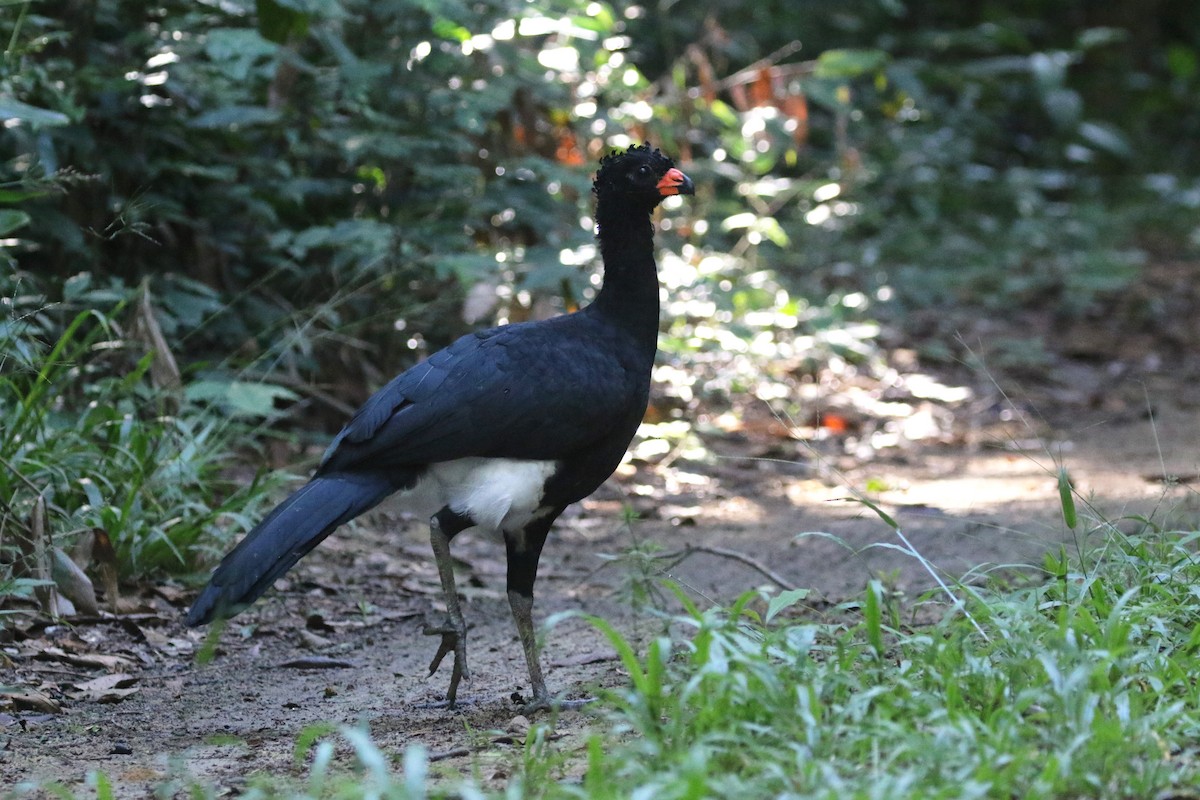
x=1081 y=686
x=101 y=441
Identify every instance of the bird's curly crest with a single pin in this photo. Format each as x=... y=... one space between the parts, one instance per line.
x=664 y=162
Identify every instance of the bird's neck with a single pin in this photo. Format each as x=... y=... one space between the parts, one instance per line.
x=629 y=296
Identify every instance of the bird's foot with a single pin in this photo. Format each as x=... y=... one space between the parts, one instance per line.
x=453 y=641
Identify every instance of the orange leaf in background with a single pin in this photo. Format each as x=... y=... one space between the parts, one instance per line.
x=795 y=106
x=518 y=134
x=762 y=90
x=835 y=423
x=568 y=152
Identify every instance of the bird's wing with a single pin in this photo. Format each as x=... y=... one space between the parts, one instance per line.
x=535 y=390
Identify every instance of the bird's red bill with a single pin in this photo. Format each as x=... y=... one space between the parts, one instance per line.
x=674 y=182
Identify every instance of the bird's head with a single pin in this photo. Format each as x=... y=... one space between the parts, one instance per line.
x=639 y=176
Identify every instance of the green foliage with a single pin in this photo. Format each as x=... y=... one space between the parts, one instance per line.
x=1081 y=690
x=88 y=432
x=304 y=183
x=394 y=154
x=940 y=163
x=280 y=154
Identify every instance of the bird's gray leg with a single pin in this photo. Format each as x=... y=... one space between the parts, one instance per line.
x=524 y=550
x=522 y=611
x=454 y=630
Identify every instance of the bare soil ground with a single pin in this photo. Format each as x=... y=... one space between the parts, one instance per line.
x=340 y=640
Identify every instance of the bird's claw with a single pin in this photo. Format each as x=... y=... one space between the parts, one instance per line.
x=453 y=641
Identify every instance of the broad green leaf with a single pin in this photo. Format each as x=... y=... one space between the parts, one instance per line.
x=448 y=29
x=241 y=398
x=1064 y=106
x=1066 y=499
x=13 y=196
x=1106 y=137
x=236 y=117
x=234 y=44
x=743 y=219
x=723 y=112
x=11 y=108
x=771 y=229
x=1183 y=61
x=11 y=220
x=281 y=20
x=784 y=600
x=1100 y=37
x=849 y=63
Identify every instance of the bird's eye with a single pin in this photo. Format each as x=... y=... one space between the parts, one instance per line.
x=644 y=169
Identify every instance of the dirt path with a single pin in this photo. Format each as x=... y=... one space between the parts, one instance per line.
x=342 y=642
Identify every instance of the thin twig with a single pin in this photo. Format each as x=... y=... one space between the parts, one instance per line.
x=305 y=386
x=724 y=552
x=770 y=61
x=457 y=752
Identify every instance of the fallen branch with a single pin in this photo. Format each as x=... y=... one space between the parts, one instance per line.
x=457 y=752
x=753 y=563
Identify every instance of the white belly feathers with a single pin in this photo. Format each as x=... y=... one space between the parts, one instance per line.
x=500 y=494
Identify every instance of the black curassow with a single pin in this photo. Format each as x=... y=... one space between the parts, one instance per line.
x=503 y=429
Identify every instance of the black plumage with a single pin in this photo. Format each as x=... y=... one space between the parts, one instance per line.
x=504 y=428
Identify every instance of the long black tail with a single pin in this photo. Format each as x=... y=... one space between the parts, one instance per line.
x=296 y=526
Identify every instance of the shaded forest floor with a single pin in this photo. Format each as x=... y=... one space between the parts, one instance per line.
x=340 y=641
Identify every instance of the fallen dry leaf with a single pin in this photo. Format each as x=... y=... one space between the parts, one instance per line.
x=105 y=689
x=170 y=645
x=30 y=700
x=84 y=659
x=173 y=594
x=72 y=583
